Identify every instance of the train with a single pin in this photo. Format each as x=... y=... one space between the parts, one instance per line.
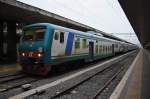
x=44 y=45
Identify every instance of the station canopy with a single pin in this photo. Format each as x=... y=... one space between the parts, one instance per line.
x=138 y=14
x=12 y=10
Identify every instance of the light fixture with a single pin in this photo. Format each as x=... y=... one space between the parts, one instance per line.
x=23 y=54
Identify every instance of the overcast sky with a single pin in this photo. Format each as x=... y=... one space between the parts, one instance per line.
x=105 y=15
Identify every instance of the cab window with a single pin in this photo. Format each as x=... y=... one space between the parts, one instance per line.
x=34 y=33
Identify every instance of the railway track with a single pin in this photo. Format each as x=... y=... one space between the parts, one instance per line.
x=67 y=93
x=16 y=83
x=113 y=81
x=12 y=77
x=9 y=74
x=73 y=88
x=106 y=84
x=11 y=81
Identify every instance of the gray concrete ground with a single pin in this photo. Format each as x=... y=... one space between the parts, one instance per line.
x=135 y=82
x=145 y=90
x=139 y=87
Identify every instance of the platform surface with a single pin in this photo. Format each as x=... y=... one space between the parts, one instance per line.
x=145 y=89
x=9 y=68
x=139 y=87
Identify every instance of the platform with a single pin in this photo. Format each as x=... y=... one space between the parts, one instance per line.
x=9 y=68
x=135 y=85
x=139 y=87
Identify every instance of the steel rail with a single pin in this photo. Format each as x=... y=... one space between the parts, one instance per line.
x=10 y=74
x=74 y=86
x=67 y=78
x=14 y=77
x=107 y=83
x=99 y=91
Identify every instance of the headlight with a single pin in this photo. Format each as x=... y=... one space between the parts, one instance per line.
x=23 y=54
x=39 y=54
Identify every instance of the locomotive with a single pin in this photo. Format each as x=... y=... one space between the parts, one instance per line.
x=44 y=45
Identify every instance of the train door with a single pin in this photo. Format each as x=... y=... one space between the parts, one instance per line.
x=113 y=51
x=59 y=44
x=91 y=49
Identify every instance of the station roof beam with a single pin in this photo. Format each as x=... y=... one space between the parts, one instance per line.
x=138 y=14
x=12 y=10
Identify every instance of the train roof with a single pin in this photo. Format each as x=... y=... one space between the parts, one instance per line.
x=75 y=31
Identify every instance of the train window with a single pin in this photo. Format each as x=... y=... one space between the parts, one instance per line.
x=116 y=45
x=61 y=37
x=96 y=48
x=106 y=49
x=110 y=48
x=56 y=36
x=103 y=49
x=84 y=41
x=100 y=49
x=77 y=43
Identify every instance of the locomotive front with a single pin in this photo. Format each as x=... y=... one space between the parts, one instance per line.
x=32 y=49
